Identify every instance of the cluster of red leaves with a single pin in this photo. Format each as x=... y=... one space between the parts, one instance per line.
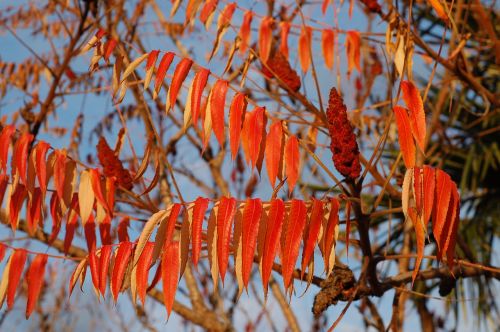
x=278 y=66
x=431 y=193
x=11 y=277
x=343 y=145
x=112 y=166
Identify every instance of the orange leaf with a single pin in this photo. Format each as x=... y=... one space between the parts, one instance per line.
x=442 y=199
x=406 y=143
x=20 y=156
x=418 y=189
x=353 y=46
x=225 y=218
x=180 y=73
x=305 y=40
x=95 y=179
x=3 y=248
x=5 y=140
x=265 y=38
x=170 y=274
x=198 y=85
x=236 y=116
x=440 y=10
x=34 y=210
x=274 y=145
x=245 y=31
x=327 y=46
x=273 y=234
x=4 y=181
x=56 y=214
x=292 y=159
x=165 y=63
x=121 y=261
x=312 y=232
x=34 y=277
x=71 y=224
x=413 y=100
x=251 y=218
x=199 y=210
x=217 y=104
x=296 y=221
x=79 y=273
x=142 y=271
x=104 y=261
x=285 y=30
x=15 y=271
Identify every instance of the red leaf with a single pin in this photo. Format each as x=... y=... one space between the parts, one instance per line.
x=324 y=6
x=121 y=261
x=251 y=134
x=20 y=156
x=16 y=203
x=199 y=83
x=452 y=237
x=412 y=98
x=265 y=38
x=104 y=261
x=90 y=237
x=35 y=277
x=406 y=143
x=296 y=221
x=347 y=224
x=236 y=116
x=292 y=159
x=226 y=15
x=95 y=178
x=208 y=10
x=142 y=271
x=34 y=210
x=312 y=232
x=429 y=186
x=122 y=230
x=451 y=219
x=105 y=231
x=15 y=271
x=273 y=234
x=170 y=274
x=71 y=224
x=442 y=199
x=165 y=63
x=353 y=45
x=217 y=104
x=41 y=165
x=418 y=189
x=285 y=30
x=3 y=248
x=172 y=220
x=109 y=48
x=251 y=218
x=305 y=40
x=5 y=140
x=225 y=219
x=327 y=46
x=199 y=209
x=150 y=67
x=274 y=142
x=180 y=74
x=59 y=172
x=94 y=269
x=245 y=31
x=4 y=181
